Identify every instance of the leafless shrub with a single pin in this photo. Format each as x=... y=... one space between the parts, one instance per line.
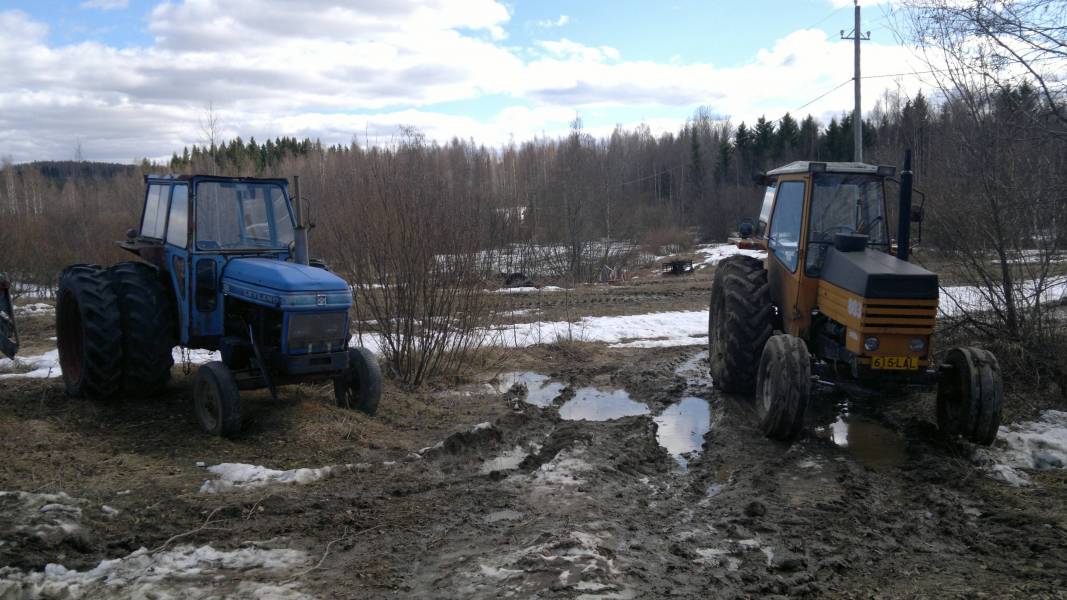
x=413 y=250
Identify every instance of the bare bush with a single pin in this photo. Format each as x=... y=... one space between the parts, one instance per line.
x=413 y=250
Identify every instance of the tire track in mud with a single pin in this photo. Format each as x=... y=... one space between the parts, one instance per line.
x=600 y=510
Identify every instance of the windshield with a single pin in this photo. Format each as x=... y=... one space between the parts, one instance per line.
x=252 y=216
x=843 y=203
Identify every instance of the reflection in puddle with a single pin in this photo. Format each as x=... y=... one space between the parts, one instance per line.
x=540 y=389
x=681 y=427
x=593 y=404
x=870 y=442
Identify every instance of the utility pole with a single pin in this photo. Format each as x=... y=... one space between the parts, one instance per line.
x=857 y=114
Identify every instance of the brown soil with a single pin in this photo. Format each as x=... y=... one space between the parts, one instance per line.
x=596 y=508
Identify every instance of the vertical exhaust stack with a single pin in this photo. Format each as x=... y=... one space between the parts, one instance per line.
x=904 y=216
x=300 y=235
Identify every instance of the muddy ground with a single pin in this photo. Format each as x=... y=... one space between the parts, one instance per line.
x=482 y=489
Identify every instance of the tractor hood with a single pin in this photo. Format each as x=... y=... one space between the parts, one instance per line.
x=874 y=274
x=284 y=284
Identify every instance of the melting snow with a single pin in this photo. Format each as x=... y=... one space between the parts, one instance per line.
x=1034 y=445
x=49 y=518
x=47 y=364
x=715 y=254
x=650 y=330
x=169 y=574
x=240 y=476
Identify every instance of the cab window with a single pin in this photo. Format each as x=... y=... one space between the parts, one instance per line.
x=784 y=238
x=765 y=211
x=154 y=220
x=178 y=225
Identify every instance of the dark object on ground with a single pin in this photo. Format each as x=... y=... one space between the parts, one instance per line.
x=678 y=267
x=9 y=334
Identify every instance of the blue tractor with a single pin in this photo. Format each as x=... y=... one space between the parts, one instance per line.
x=223 y=266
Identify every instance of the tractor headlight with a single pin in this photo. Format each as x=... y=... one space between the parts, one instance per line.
x=870 y=344
x=917 y=344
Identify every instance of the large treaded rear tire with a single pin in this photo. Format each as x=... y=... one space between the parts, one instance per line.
x=146 y=319
x=740 y=321
x=783 y=387
x=88 y=333
x=970 y=395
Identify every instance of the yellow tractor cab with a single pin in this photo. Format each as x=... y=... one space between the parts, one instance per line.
x=835 y=304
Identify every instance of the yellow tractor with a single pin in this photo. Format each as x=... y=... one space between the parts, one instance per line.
x=836 y=305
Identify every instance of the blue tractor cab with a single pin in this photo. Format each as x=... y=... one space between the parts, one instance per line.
x=223 y=267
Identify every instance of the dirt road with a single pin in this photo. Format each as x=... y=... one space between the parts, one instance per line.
x=580 y=471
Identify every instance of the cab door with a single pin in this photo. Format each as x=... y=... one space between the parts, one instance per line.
x=785 y=253
x=177 y=255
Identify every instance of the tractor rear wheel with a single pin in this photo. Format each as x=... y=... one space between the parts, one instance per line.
x=147 y=320
x=88 y=332
x=970 y=395
x=361 y=388
x=216 y=400
x=740 y=321
x=783 y=385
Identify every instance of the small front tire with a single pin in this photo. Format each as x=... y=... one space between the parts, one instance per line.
x=970 y=395
x=216 y=400
x=361 y=388
x=783 y=386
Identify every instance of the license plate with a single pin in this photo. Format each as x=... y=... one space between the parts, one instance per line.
x=899 y=363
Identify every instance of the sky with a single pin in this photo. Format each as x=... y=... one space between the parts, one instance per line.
x=119 y=80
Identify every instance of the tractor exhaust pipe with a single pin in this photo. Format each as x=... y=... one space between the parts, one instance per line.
x=904 y=215
x=300 y=235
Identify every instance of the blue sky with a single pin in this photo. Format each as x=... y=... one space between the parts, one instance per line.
x=134 y=78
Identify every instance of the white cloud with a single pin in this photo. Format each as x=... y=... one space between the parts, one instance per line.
x=334 y=70
x=550 y=23
x=105 y=4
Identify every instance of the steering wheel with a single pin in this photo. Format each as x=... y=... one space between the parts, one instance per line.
x=868 y=226
x=828 y=235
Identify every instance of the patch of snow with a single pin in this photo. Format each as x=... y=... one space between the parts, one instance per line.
x=662 y=329
x=958 y=300
x=499 y=572
x=482 y=425
x=563 y=469
x=714 y=254
x=507 y=461
x=1032 y=445
x=40 y=366
x=109 y=511
x=240 y=476
x=528 y=289
x=47 y=518
x=169 y=574
x=36 y=308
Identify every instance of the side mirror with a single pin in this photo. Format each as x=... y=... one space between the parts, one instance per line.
x=746 y=229
x=131 y=233
x=916 y=214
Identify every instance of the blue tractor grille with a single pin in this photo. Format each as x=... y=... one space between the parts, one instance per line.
x=317 y=332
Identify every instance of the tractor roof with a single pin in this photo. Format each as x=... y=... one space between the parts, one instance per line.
x=807 y=166
x=212 y=177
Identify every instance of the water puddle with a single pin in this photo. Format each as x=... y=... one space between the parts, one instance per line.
x=507 y=461
x=503 y=515
x=595 y=404
x=540 y=389
x=681 y=428
x=870 y=442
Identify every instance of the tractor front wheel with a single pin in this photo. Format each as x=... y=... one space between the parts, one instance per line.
x=88 y=334
x=970 y=394
x=783 y=385
x=361 y=387
x=216 y=400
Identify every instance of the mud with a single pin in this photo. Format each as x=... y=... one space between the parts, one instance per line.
x=581 y=473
